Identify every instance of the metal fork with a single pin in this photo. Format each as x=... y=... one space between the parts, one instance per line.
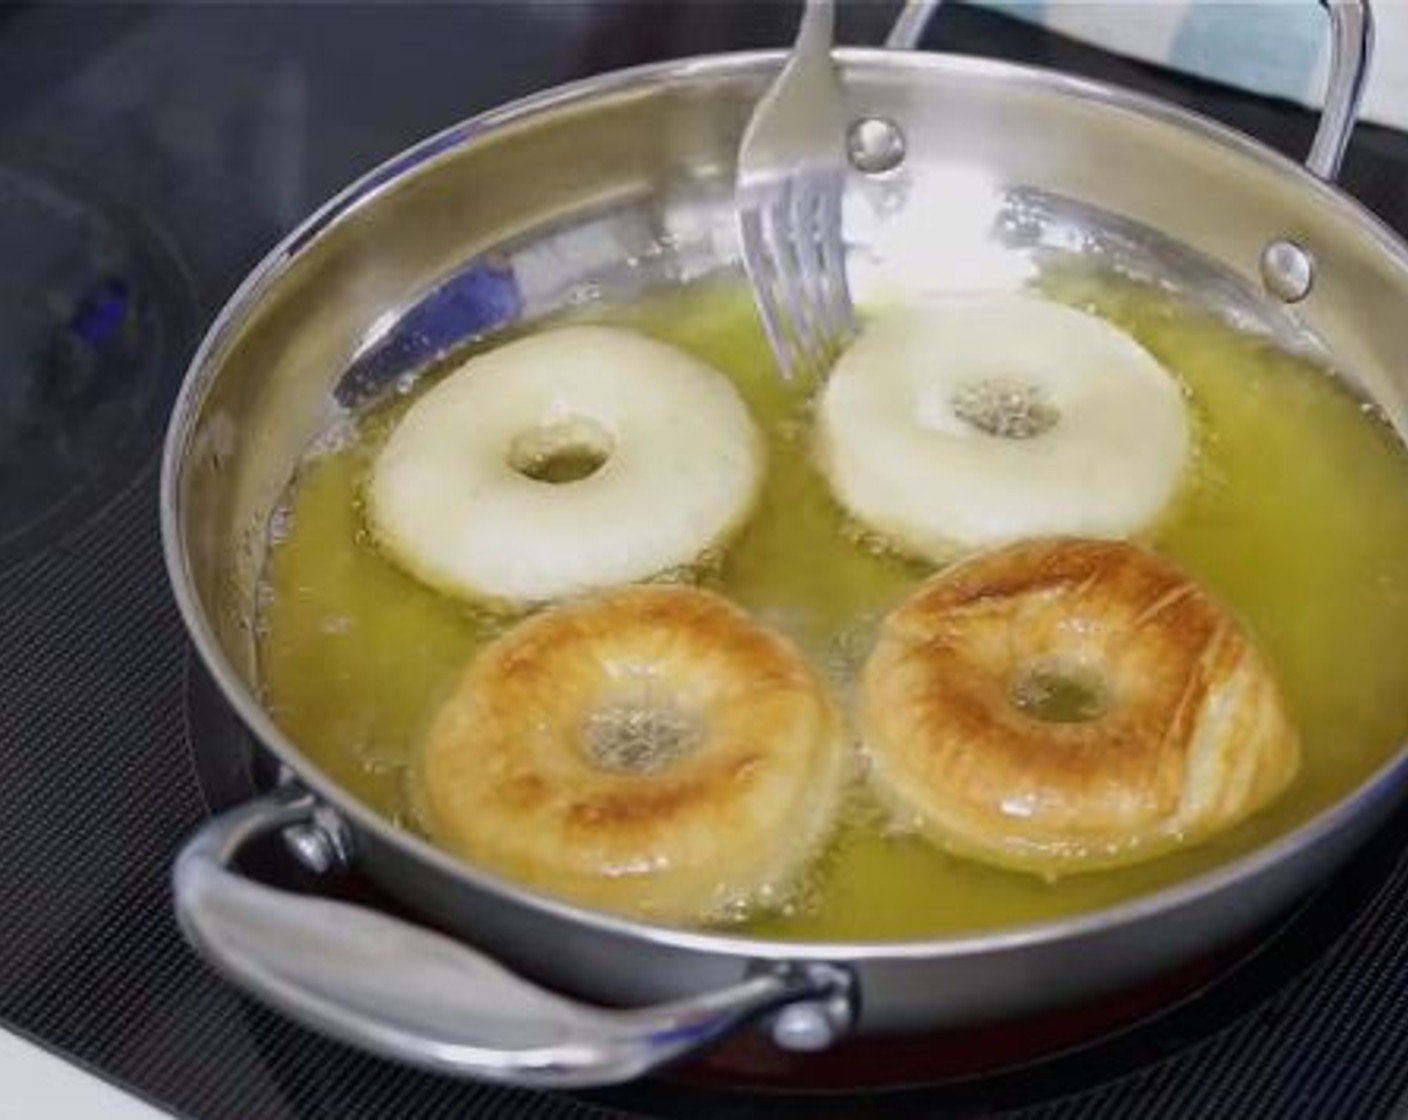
x=791 y=175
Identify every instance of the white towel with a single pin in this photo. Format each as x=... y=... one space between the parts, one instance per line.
x=1275 y=47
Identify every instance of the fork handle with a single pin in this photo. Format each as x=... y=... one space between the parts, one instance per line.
x=818 y=23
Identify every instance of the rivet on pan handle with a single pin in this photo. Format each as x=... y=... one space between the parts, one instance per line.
x=1351 y=48
x=410 y=994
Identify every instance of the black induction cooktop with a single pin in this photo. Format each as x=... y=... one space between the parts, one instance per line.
x=149 y=154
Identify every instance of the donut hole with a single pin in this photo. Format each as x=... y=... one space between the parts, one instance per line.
x=1055 y=692
x=561 y=451
x=640 y=735
x=1004 y=408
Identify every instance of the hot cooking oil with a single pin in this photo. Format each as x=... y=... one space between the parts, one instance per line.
x=1295 y=515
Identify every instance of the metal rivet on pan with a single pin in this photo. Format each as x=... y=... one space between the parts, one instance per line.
x=815 y=1023
x=875 y=145
x=1287 y=270
x=312 y=847
x=320 y=845
x=804 y=1028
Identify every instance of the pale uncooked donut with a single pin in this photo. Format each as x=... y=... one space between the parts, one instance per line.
x=978 y=421
x=681 y=464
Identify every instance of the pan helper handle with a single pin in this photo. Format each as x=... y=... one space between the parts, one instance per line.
x=1351 y=47
x=420 y=997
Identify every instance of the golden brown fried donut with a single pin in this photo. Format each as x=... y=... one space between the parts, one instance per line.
x=1063 y=705
x=650 y=751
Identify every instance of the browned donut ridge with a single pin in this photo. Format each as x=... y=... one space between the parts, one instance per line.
x=1174 y=729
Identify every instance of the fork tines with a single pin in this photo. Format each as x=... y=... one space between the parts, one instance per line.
x=791 y=178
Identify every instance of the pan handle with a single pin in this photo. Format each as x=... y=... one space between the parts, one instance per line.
x=909 y=25
x=407 y=993
x=1351 y=48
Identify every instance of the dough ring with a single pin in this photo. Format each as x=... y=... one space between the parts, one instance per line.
x=578 y=458
x=970 y=422
x=650 y=751
x=1065 y=705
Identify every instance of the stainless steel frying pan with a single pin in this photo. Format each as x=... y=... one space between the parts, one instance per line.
x=613 y=186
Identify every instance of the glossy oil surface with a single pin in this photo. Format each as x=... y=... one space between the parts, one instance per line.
x=1294 y=514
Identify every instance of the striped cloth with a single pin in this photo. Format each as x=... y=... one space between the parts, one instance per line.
x=1274 y=47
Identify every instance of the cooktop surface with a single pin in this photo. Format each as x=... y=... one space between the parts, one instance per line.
x=149 y=155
